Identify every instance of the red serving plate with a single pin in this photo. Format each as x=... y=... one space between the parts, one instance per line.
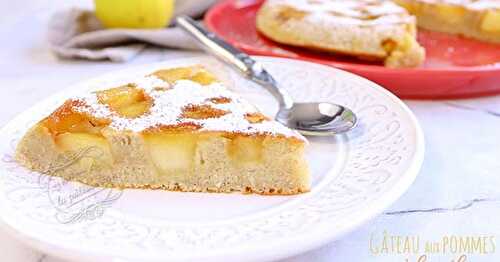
x=454 y=68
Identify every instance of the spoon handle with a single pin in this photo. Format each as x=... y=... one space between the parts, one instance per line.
x=247 y=66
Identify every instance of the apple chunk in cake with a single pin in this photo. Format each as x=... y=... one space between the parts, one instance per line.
x=175 y=129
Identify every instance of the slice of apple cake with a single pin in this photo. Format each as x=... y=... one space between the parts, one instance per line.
x=479 y=19
x=175 y=129
x=368 y=29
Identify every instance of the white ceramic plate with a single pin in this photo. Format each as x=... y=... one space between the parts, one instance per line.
x=354 y=178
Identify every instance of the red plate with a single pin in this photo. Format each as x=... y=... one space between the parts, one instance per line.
x=455 y=67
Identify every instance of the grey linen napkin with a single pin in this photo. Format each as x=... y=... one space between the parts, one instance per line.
x=77 y=33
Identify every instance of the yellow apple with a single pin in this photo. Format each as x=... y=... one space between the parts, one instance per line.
x=134 y=13
x=171 y=152
x=246 y=149
x=80 y=141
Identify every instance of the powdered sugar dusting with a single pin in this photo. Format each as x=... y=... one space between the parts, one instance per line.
x=350 y=12
x=479 y=5
x=169 y=102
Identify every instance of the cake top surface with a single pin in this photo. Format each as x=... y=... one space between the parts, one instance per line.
x=355 y=12
x=200 y=105
x=470 y=4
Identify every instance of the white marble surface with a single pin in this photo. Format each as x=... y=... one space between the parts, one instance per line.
x=457 y=193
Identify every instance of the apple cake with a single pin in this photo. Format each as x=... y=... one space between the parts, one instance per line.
x=478 y=19
x=175 y=129
x=368 y=29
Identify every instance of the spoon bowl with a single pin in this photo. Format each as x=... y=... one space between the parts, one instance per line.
x=318 y=119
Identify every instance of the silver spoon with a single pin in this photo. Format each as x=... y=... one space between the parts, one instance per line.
x=314 y=119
